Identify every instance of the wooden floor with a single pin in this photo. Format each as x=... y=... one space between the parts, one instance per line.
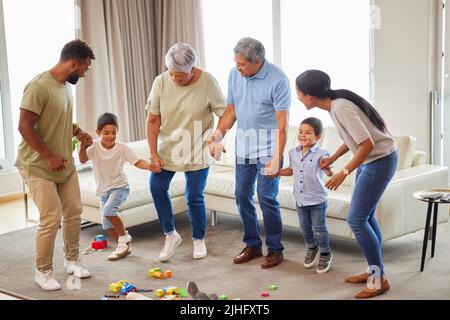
x=12 y=218
x=12 y=215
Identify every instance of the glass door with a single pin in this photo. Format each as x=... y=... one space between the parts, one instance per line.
x=6 y=131
x=446 y=84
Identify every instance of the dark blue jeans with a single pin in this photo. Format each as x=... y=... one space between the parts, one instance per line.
x=372 y=180
x=195 y=187
x=247 y=174
x=314 y=227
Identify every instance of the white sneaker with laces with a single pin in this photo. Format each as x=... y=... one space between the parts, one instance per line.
x=46 y=281
x=77 y=269
x=172 y=241
x=123 y=248
x=200 y=250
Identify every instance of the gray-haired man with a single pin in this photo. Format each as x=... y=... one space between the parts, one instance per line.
x=259 y=99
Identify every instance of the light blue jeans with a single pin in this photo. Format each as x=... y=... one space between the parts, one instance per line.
x=110 y=204
x=314 y=228
x=372 y=180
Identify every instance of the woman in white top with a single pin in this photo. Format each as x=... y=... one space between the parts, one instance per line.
x=375 y=158
x=181 y=109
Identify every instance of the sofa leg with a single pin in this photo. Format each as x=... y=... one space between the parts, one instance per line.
x=213 y=218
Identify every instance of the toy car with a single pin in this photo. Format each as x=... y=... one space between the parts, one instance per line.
x=127 y=288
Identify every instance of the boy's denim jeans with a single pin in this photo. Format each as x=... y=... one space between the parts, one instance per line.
x=314 y=228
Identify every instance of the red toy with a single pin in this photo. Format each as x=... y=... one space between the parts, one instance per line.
x=99 y=243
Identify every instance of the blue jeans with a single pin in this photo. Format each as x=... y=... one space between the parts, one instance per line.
x=372 y=180
x=110 y=203
x=247 y=173
x=195 y=186
x=314 y=227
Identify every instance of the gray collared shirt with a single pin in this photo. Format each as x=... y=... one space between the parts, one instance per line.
x=309 y=188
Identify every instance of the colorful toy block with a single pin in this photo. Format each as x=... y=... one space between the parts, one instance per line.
x=158 y=275
x=168 y=274
x=183 y=293
x=117 y=286
x=273 y=287
x=151 y=272
x=159 y=293
x=223 y=297
x=264 y=294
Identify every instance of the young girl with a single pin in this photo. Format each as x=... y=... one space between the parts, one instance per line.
x=375 y=157
x=108 y=157
x=310 y=192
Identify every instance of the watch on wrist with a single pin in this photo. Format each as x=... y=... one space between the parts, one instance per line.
x=345 y=171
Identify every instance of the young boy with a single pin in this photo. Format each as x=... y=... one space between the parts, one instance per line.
x=108 y=157
x=310 y=192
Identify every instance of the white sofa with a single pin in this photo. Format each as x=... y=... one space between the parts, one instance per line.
x=398 y=213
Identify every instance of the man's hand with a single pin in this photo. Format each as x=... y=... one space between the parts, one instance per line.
x=216 y=148
x=56 y=162
x=84 y=138
x=272 y=168
x=156 y=163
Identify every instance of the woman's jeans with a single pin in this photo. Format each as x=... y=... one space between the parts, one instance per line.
x=195 y=186
x=372 y=180
x=314 y=227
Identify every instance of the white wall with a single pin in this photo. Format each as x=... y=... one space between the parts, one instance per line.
x=405 y=66
x=10 y=182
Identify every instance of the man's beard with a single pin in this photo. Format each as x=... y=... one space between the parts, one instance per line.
x=73 y=79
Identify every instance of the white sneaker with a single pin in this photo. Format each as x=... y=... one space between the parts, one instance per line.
x=75 y=268
x=123 y=248
x=172 y=241
x=46 y=281
x=199 y=249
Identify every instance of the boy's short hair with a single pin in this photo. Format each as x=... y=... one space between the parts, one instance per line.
x=315 y=123
x=106 y=119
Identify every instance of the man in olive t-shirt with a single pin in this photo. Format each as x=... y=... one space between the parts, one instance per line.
x=45 y=160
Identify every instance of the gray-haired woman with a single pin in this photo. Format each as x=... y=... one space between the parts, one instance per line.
x=180 y=113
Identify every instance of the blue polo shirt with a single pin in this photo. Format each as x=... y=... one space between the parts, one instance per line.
x=309 y=188
x=255 y=101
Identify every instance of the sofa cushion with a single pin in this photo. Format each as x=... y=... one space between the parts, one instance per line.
x=223 y=184
x=139 y=187
x=406 y=146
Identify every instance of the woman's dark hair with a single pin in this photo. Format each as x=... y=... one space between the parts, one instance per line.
x=318 y=84
x=106 y=119
x=315 y=123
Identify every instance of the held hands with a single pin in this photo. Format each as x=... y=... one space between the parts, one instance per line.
x=337 y=179
x=216 y=148
x=272 y=168
x=84 y=138
x=325 y=163
x=156 y=163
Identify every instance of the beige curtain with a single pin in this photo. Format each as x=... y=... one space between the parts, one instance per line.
x=130 y=39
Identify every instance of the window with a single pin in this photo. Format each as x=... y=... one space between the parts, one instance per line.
x=35 y=33
x=330 y=35
x=225 y=23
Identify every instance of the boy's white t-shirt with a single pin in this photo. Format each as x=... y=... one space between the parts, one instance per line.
x=108 y=165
